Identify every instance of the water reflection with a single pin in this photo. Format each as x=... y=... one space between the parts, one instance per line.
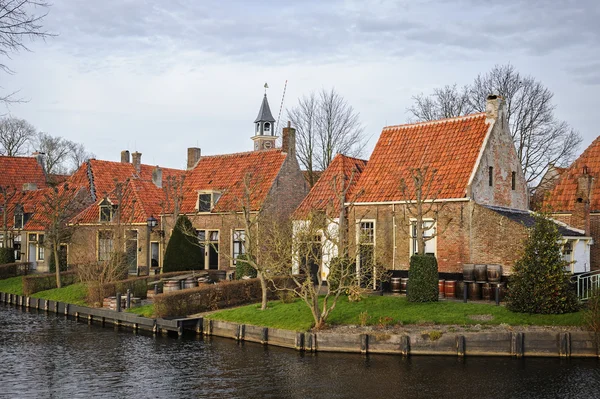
x=49 y=356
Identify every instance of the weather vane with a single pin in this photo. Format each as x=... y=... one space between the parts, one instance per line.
x=266 y=86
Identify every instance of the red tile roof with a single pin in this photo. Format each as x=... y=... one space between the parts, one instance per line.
x=451 y=146
x=226 y=174
x=563 y=196
x=16 y=171
x=323 y=195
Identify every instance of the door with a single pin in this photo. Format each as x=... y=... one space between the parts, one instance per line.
x=31 y=255
x=212 y=252
x=131 y=253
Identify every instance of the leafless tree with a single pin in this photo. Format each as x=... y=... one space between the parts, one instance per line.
x=15 y=136
x=325 y=126
x=78 y=155
x=19 y=20
x=540 y=139
x=61 y=156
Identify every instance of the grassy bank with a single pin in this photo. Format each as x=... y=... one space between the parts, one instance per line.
x=74 y=294
x=145 y=310
x=389 y=310
x=13 y=285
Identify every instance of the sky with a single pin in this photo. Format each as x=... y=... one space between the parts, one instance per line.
x=160 y=76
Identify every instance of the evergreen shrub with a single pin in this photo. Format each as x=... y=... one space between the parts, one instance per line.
x=539 y=283
x=62 y=257
x=422 y=279
x=183 y=251
x=7 y=255
x=243 y=268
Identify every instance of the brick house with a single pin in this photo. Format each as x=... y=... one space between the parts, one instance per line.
x=215 y=189
x=479 y=205
x=125 y=195
x=575 y=197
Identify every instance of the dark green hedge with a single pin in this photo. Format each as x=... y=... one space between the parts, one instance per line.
x=243 y=268
x=62 y=257
x=7 y=255
x=42 y=282
x=14 y=269
x=212 y=297
x=183 y=251
x=422 y=279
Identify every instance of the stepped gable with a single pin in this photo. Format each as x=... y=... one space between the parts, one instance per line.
x=563 y=196
x=226 y=173
x=323 y=195
x=452 y=146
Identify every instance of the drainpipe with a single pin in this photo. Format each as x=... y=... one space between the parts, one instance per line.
x=394 y=236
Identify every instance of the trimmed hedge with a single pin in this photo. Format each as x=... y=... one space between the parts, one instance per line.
x=7 y=255
x=137 y=285
x=183 y=251
x=212 y=297
x=423 y=279
x=14 y=269
x=243 y=268
x=47 y=281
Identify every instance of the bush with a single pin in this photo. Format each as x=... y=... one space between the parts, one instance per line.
x=62 y=257
x=42 y=282
x=183 y=251
x=212 y=297
x=539 y=283
x=243 y=268
x=14 y=269
x=7 y=255
x=423 y=279
x=591 y=317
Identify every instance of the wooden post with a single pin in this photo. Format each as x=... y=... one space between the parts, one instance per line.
x=264 y=336
x=364 y=343
x=128 y=299
x=405 y=345
x=517 y=347
x=465 y=292
x=497 y=293
x=565 y=344
x=299 y=344
x=460 y=345
x=199 y=323
x=118 y=304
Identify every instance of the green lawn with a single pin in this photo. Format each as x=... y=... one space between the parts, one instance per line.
x=13 y=285
x=145 y=310
x=74 y=294
x=390 y=310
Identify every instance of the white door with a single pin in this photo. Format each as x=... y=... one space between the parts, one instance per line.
x=31 y=256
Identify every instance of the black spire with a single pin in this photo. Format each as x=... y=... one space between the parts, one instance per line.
x=264 y=114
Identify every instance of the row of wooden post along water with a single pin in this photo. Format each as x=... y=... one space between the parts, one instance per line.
x=482 y=282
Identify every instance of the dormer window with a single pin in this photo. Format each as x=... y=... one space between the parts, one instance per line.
x=207 y=201
x=19 y=216
x=107 y=210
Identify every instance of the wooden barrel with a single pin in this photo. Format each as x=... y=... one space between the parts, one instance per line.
x=190 y=282
x=494 y=273
x=474 y=291
x=450 y=288
x=171 y=285
x=468 y=272
x=501 y=290
x=481 y=273
x=403 y=285
x=460 y=286
x=441 y=284
x=486 y=291
x=395 y=284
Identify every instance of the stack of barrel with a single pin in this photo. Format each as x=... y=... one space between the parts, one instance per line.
x=481 y=281
x=398 y=285
x=446 y=289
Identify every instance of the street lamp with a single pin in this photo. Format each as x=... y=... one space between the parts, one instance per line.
x=151 y=222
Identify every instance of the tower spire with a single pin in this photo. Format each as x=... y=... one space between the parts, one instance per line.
x=264 y=126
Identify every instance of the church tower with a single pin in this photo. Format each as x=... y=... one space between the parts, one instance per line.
x=264 y=127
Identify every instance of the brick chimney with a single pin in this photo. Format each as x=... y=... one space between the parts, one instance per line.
x=157 y=176
x=494 y=107
x=136 y=159
x=288 y=140
x=40 y=157
x=580 y=218
x=125 y=156
x=193 y=156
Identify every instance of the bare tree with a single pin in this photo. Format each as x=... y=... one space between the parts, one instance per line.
x=325 y=126
x=78 y=155
x=540 y=139
x=61 y=155
x=19 y=21
x=15 y=136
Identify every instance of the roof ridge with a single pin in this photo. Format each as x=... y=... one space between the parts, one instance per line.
x=128 y=163
x=435 y=122
x=240 y=153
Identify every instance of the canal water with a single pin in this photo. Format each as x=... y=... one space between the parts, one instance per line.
x=48 y=356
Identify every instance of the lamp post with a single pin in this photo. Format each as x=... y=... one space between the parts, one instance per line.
x=151 y=222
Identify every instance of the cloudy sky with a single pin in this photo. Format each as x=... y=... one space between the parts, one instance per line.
x=160 y=76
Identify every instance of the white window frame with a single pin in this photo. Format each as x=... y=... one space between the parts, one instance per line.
x=413 y=240
x=358 y=241
x=40 y=248
x=242 y=251
x=110 y=240
x=214 y=198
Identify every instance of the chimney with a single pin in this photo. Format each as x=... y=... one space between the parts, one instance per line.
x=193 y=156
x=136 y=159
x=580 y=218
x=494 y=106
x=288 y=140
x=125 y=156
x=29 y=187
x=157 y=176
x=40 y=157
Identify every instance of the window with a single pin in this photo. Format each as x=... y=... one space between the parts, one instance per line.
x=207 y=201
x=32 y=237
x=239 y=240
x=430 y=240
x=1 y=240
x=366 y=240
x=17 y=247
x=40 y=247
x=107 y=211
x=214 y=236
x=19 y=217
x=154 y=254
x=567 y=252
x=105 y=244
x=257 y=127
x=514 y=180
x=491 y=175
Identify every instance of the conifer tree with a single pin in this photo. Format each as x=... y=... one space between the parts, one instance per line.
x=182 y=252
x=539 y=283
